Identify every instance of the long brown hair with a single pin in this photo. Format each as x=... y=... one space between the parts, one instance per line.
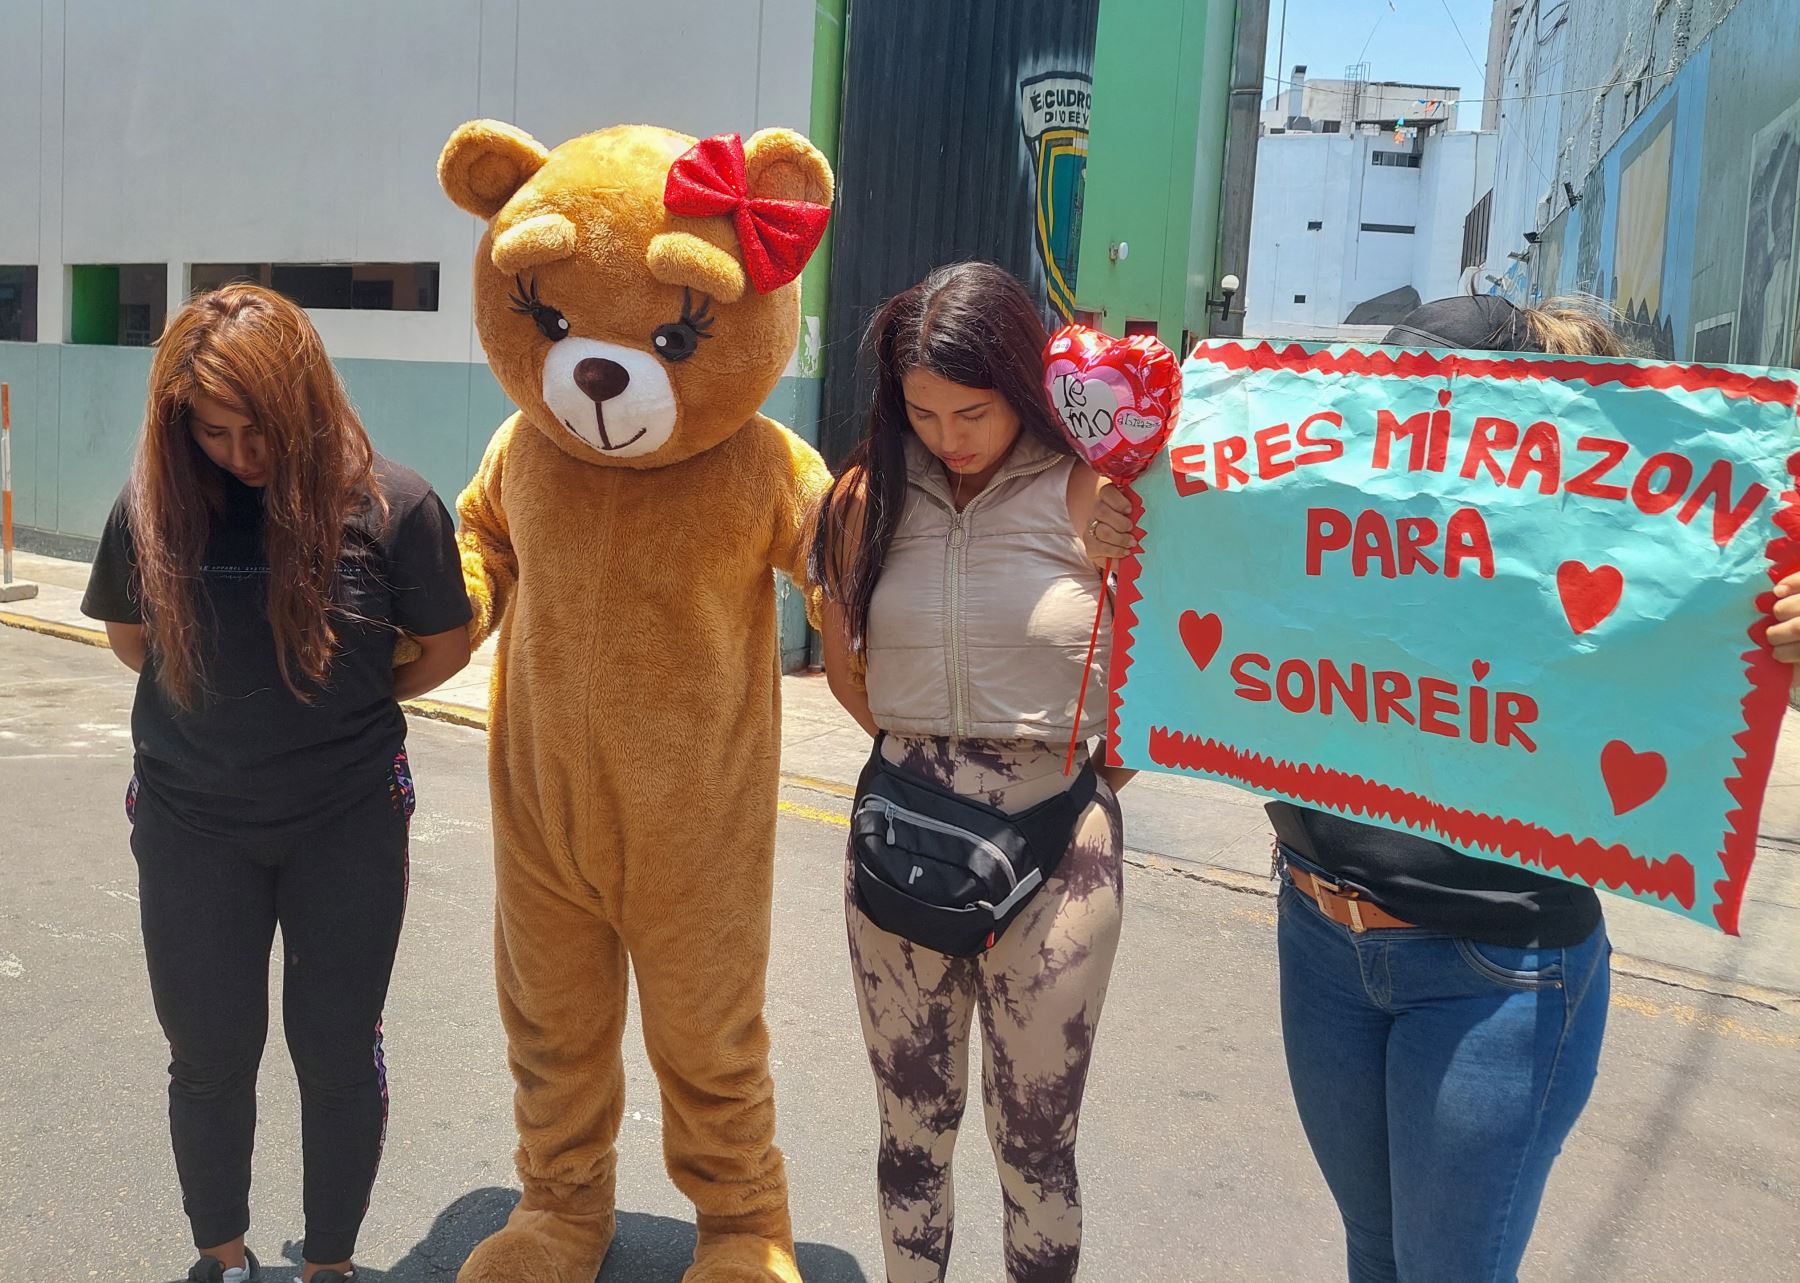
x=255 y=352
x=969 y=323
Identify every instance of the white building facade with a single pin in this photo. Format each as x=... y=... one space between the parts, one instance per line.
x=1352 y=230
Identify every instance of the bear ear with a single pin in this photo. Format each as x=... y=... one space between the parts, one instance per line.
x=780 y=164
x=485 y=162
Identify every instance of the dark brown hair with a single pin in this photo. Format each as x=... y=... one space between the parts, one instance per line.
x=255 y=352
x=971 y=324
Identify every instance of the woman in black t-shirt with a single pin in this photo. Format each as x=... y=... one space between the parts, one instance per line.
x=1442 y=1014
x=257 y=572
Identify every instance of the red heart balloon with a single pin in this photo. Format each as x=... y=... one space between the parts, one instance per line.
x=1115 y=398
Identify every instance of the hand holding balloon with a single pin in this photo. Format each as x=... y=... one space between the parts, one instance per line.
x=1112 y=533
x=1116 y=400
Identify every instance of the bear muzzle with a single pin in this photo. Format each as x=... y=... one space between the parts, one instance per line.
x=616 y=399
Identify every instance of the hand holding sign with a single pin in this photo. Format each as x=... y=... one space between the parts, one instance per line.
x=1116 y=400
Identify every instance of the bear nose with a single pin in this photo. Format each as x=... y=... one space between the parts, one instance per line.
x=601 y=379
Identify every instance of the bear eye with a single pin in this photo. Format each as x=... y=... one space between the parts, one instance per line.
x=550 y=322
x=681 y=339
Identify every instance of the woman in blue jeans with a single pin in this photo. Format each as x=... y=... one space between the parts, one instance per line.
x=1442 y=1014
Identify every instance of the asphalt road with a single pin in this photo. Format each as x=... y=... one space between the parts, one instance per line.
x=1686 y=1167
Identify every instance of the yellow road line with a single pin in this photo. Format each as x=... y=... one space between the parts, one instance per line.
x=837 y=819
x=50 y=628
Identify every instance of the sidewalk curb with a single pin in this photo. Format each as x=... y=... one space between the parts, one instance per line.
x=436 y=710
x=50 y=628
x=1235 y=880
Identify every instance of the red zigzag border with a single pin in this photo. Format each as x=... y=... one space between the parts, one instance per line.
x=1762 y=706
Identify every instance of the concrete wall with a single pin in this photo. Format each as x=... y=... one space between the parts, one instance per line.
x=1500 y=25
x=1686 y=171
x=269 y=131
x=1459 y=170
x=1332 y=179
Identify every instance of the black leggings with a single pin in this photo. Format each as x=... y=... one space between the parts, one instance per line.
x=209 y=915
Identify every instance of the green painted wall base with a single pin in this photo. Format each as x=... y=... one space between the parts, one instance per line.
x=77 y=411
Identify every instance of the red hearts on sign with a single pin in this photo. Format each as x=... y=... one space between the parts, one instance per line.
x=1115 y=398
x=1201 y=634
x=1632 y=778
x=1588 y=596
x=1480 y=668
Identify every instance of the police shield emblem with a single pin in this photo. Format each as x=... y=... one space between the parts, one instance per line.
x=1053 y=111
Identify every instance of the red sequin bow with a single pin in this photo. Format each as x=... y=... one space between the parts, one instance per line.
x=776 y=236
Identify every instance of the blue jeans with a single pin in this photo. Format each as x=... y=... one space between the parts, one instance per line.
x=1436 y=1079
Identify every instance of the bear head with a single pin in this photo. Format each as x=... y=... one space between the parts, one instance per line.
x=636 y=290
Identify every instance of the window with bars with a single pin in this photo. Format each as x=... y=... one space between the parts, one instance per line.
x=1475 y=231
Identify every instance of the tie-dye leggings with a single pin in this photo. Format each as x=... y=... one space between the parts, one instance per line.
x=1039 y=992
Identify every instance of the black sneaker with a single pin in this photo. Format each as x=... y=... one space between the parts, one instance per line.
x=210 y=1269
x=334 y=1276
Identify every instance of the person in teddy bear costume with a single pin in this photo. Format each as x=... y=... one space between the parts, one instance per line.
x=635 y=294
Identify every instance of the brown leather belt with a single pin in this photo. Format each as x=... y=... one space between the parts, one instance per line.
x=1346 y=908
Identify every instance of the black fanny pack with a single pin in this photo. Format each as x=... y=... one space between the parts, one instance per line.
x=949 y=872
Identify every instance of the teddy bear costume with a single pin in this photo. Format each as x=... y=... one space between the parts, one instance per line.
x=635 y=296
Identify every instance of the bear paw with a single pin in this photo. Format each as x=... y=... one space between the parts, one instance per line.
x=741 y=1258
x=540 y=1247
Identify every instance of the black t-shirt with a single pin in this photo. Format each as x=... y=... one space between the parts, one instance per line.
x=250 y=761
x=1431 y=886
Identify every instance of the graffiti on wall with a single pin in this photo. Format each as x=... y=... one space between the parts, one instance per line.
x=1053 y=112
x=1767 y=301
x=1689 y=225
x=1641 y=236
x=1549 y=259
x=1590 y=272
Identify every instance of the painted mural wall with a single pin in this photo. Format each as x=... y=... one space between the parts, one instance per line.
x=1687 y=221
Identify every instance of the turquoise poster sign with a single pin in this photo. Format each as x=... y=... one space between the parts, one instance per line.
x=1512 y=604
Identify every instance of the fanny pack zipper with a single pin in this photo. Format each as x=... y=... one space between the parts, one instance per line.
x=893 y=811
